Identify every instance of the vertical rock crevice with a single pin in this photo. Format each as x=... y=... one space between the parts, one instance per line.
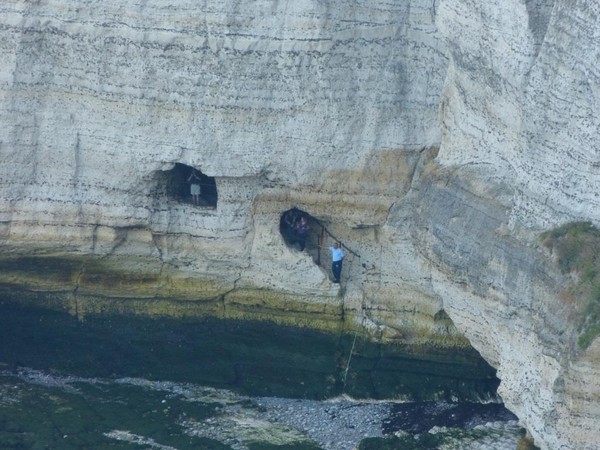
x=539 y=13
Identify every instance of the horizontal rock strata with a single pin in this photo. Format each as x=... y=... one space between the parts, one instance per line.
x=437 y=140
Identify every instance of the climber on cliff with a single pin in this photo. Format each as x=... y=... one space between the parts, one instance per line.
x=301 y=228
x=194 y=180
x=337 y=258
x=294 y=228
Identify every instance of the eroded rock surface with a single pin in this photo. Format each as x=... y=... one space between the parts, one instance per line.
x=437 y=139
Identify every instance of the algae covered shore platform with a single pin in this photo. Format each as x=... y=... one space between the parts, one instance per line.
x=136 y=382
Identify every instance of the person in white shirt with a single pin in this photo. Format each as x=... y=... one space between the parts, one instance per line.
x=195 y=190
x=337 y=257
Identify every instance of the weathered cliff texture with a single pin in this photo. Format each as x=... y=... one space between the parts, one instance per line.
x=520 y=143
x=437 y=139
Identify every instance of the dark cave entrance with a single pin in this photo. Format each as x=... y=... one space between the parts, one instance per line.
x=302 y=232
x=175 y=185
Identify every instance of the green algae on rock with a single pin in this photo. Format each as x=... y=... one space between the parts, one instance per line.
x=251 y=357
x=576 y=248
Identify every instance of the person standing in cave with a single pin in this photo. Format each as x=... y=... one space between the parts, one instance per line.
x=195 y=190
x=288 y=226
x=301 y=231
x=337 y=258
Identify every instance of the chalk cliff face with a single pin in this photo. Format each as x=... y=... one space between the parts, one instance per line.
x=436 y=139
x=520 y=145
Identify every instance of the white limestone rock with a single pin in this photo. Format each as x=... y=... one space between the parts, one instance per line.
x=338 y=108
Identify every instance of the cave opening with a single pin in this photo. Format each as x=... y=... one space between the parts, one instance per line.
x=302 y=232
x=176 y=184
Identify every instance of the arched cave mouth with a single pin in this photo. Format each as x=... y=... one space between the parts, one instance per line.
x=289 y=224
x=174 y=185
